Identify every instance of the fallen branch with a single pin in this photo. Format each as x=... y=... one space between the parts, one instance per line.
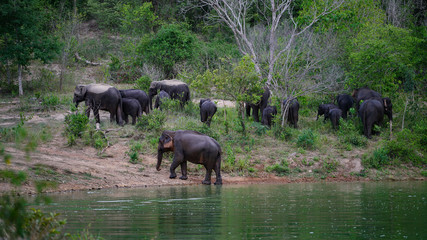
x=86 y=61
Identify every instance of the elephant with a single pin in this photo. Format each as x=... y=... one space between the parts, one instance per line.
x=371 y=112
x=364 y=93
x=175 y=88
x=131 y=107
x=139 y=95
x=345 y=102
x=268 y=115
x=100 y=97
x=259 y=106
x=207 y=111
x=324 y=110
x=160 y=97
x=194 y=147
x=334 y=115
x=292 y=111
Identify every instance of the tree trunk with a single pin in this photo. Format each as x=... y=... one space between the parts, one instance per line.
x=21 y=91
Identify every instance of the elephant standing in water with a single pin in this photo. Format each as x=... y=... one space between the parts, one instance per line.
x=194 y=147
x=207 y=111
x=175 y=88
x=100 y=97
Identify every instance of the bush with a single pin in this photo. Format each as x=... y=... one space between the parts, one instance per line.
x=133 y=152
x=407 y=147
x=307 y=139
x=76 y=124
x=330 y=166
x=279 y=169
x=143 y=83
x=152 y=122
x=377 y=160
x=94 y=138
x=50 y=102
x=349 y=133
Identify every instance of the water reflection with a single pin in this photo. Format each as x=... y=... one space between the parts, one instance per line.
x=304 y=211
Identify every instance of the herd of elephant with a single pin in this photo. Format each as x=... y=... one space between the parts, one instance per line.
x=201 y=149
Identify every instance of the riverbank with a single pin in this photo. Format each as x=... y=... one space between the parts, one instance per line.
x=58 y=167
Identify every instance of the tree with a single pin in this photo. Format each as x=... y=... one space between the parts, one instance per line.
x=25 y=35
x=172 y=44
x=275 y=14
x=240 y=83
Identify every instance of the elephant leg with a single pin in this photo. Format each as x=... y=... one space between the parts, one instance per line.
x=126 y=118
x=112 y=117
x=207 y=180
x=177 y=160
x=96 y=114
x=218 y=172
x=369 y=130
x=248 y=110
x=133 y=120
x=184 y=171
x=255 y=111
x=88 y=112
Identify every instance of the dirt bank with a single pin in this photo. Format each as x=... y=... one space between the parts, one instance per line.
x=81 y=167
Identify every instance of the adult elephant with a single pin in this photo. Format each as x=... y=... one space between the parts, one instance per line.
x=175 y=88
x=371 y=112
x=139 y=95
x=207 y=111
x=324 y=110
x=100 y=97
x=190 y=146
x=345 y=102
x=292 y=111
x=364 y=93
x=259 y=106
x=161 y=97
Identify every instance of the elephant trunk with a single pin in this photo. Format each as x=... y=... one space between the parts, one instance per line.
x=159 y=159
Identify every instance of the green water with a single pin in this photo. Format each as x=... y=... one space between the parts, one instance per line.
x=381 y=210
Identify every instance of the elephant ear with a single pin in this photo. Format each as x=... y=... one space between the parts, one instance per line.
x=168 y=143
x=80 y=90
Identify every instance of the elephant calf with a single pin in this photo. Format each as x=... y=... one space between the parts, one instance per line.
x=131 y=107
x=139 y=95
x=335 y=115
x=161 y=97
x=207 y=111
x=324 y=110
x=194 y=147
x=268 y=115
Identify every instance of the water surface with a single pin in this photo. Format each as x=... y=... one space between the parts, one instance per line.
x=381 y=210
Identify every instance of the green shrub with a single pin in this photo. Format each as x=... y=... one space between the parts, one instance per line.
x=349 y=133
x=143 y=83
x=50 y=102
x=259 y=128
x=377 y=160
x=279 y=169
x=152 y=122
x=76 y=124
x=133 y=152
x=307 y=139
x=283 y=133
x=407 y=147
x=330 y=166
